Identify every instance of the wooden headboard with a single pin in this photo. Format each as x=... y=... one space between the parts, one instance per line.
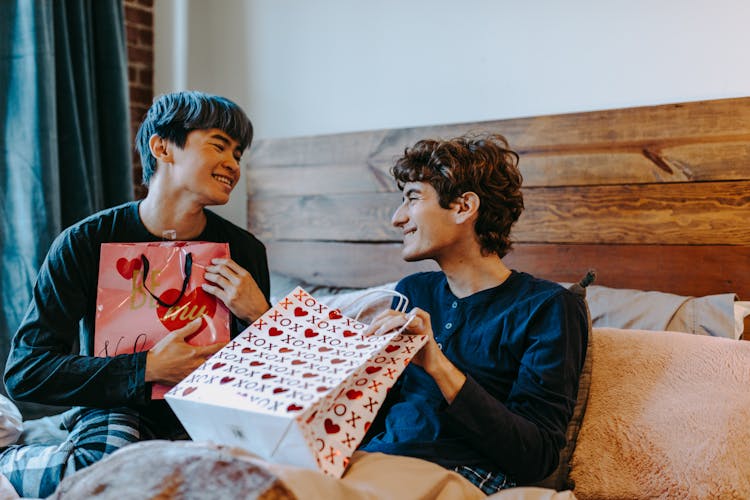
x=653 y=198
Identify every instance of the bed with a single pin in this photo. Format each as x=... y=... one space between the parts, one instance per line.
x=655 y=199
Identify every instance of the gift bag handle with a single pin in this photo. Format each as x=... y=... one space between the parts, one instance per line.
x=188 y=271
x=401 y=306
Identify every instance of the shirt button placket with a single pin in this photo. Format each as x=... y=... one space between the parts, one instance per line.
x=448 y=326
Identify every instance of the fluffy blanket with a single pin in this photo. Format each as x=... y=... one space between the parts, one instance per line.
x=667 y=417
x=192 y=471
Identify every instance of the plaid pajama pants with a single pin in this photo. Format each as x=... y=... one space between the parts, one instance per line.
x=35 y=470
x=488 y=482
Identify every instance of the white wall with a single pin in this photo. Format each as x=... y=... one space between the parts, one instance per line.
x=301 y=67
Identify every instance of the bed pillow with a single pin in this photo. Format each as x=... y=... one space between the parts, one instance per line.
x=666 y=417
x=622 y=308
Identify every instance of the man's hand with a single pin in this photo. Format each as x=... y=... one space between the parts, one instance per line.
x=236 y=288
x=172 y=358
x=431 y=358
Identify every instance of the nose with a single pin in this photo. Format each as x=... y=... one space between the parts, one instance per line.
x=399 y=217
x=232 y=163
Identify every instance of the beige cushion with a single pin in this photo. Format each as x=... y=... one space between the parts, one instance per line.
x=666 y=417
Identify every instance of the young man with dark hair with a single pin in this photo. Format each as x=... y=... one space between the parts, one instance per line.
x=190 y=145
x=491 y=393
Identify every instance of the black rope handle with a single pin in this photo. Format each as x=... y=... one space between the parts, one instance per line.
x=188 y=270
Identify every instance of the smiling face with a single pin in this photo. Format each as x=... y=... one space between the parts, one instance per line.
x=208 y=166
x=430 y=231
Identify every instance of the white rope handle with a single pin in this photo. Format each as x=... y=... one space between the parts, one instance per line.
x=401 y=306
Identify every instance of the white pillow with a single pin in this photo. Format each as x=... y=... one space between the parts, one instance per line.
x=713 y=315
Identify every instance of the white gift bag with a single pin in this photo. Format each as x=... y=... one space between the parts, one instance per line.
x=299 y=386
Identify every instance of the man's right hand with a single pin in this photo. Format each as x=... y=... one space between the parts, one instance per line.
x=172 y=358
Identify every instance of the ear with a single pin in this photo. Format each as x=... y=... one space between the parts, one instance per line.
x=466 y=207
x=161 y=149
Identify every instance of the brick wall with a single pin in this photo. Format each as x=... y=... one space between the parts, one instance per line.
x=139 y=24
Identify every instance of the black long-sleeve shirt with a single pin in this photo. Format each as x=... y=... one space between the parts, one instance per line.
x=51 y=358
x=521 y=346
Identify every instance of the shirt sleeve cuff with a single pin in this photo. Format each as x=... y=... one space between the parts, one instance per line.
x=470 y=394
x=139 y=390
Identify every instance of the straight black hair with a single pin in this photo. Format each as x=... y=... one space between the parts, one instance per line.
x=173 y=116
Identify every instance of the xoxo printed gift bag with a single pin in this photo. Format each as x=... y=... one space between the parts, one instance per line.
x=299 y=386
x=147 y=290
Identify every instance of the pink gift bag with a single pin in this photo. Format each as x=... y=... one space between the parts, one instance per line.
x=300 y=386
x=146 y=290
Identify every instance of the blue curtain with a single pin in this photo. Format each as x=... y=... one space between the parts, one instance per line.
x=64 y=132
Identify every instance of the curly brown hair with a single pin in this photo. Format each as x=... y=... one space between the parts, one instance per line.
x=483 y=164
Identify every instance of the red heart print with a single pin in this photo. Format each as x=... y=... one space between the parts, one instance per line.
x=392 y=348
x=331 y=428
x=279 y=390
x=284 y=350
x=247 y=350
x=309 y=375
x=256 y=363
x=218 y=365
x=293 y=407
x=298 y=311
x=337 y=361
x=267 y=376
x=325 y=349
x=367 y=426
x=226 y=380
x=373 y=369
x=274 y=332
x=126 y=267
x=188 y=391
x=298 y=362
x=322 y=389
x=353 y=394
x=349 y=333
x=191 y=306
x=309 y=333
x=334 y=314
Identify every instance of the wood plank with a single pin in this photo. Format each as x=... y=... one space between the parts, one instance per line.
x=680 y=269
x=314 y=150
x=691 y=162
x=319 y=179
x=721 y=120
x=723 y=161
x=691 y=213
x=349 y=217
x=348 y=265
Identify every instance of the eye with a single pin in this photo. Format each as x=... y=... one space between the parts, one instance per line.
x=219 y=147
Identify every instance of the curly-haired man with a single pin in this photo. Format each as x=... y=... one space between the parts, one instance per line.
x=491 y=393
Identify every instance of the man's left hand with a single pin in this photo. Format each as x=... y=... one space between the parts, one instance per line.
x=431 y=358
x=231 y=283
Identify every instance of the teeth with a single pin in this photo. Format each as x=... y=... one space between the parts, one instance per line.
x=225 y=180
